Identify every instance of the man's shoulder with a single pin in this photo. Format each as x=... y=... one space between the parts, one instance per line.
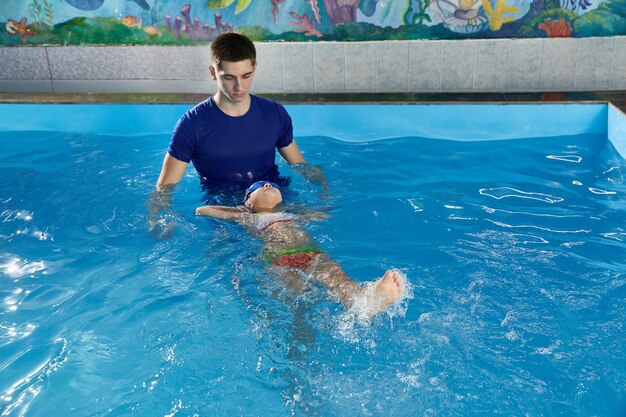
x=203 y=107
x=200 y=114
x=267 y=104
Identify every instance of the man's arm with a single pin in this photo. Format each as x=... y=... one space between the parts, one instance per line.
x=172 y=171
x=292 y=155
x=161 y=198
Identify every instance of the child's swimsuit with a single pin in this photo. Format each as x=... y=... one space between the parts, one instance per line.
x=264 y=220
x=294 y=258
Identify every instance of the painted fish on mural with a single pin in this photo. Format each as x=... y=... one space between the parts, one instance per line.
x=95 y=4
x=131 y=21
x=19 y=28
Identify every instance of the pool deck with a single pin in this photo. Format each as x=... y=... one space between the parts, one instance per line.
x=617 y=98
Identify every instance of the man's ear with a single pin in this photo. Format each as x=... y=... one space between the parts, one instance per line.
x=212 y=72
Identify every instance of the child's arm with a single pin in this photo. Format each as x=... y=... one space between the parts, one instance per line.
x=313 y=215
x=238 y=213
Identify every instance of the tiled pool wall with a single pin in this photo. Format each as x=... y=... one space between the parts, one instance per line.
x=463 y=122
x=501 y=65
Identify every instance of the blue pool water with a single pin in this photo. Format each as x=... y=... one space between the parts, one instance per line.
x=514 y=250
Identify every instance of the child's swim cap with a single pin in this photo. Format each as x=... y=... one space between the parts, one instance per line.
x=256 y=186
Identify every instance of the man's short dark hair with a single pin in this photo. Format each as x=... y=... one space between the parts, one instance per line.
x=232 y=47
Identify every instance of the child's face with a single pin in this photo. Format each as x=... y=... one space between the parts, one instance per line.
x=265 y=198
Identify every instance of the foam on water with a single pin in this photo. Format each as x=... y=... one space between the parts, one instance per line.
x=361 y=311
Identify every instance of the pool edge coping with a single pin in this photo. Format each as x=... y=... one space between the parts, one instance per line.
x=617 y=98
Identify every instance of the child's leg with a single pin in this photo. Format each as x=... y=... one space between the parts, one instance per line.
x=331 y=274
x=372 y=298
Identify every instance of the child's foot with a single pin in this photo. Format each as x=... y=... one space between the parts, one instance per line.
x=378 y=295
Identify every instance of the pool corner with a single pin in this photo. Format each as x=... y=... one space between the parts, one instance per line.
x=616 y=127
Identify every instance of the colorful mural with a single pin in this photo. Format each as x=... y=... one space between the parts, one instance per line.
x=69 y=22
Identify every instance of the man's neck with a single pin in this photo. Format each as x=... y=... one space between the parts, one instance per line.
x=231 y=108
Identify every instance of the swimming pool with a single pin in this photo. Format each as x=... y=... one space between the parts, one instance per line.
x=507 y=221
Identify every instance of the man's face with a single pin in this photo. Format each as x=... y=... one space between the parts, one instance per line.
x=234 y=79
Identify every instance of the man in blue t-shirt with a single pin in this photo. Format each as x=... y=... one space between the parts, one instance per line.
x=232 y=137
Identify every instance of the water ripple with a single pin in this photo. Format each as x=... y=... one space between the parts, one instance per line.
x=14 y=267
x=566 y=158
x=507 y=192
x=12 y=332
x=12 y=215
x=532 y=226
x=529 y=213
x=601 y=192
x=619 y=236
x=25 y=389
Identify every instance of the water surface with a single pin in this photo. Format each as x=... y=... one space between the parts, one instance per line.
x=513 y=249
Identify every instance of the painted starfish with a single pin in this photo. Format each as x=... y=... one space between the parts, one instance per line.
x=19 y=28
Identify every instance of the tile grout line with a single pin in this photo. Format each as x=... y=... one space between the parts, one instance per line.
x=506 y=70
x=345 y=68
x=473 y=64
x=408 y=65
x=314 y=80
x=612 y=63
x=576 y=66
x=49 y=69
x=543 y=47
x=282 y=54
x=474 y=71
x=538 y=86
x=377 y=80
x=441 y=66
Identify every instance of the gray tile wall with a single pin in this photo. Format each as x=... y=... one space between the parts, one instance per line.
x=457 y=66
x=361 y=67
x=501 y=65
x=425 y=66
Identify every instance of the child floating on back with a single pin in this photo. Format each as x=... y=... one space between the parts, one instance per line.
x=289 y=246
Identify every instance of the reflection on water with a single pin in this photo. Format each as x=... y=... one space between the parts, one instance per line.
x=512 y=250
x=507 y=192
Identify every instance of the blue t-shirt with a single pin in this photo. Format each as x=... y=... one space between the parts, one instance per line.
x=227 y=150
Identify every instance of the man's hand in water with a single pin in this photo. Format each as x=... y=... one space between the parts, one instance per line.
x=312 y=173
x=160 y=218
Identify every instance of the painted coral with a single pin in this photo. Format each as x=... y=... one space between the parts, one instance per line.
x=499 y=15
x=307 y=26
x=556 y=28
x=341 y=11
x=275 y=4
x=196 y=29
x=153 y=30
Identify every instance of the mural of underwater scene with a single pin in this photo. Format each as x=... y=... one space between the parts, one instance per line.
x=171 y=22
